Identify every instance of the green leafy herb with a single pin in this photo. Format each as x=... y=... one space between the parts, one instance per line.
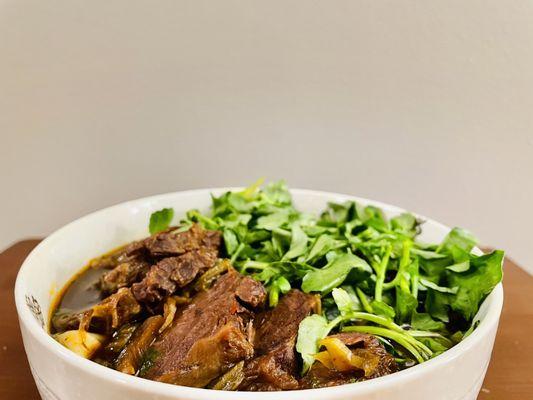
x=160 y=220
x=347 y=303
x=460 y=267
x=458 y=239
x=472 y=287
x=372 y=273
x=332 y=275
x=438 y=288
x=298 y=243
x=383 y=309
x=322 y=245
x=311 y=330
x=424 y=322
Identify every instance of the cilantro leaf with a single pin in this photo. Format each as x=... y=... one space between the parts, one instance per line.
x=332 y=275
x=160 y=220
x=311 y=330
x=485 y=273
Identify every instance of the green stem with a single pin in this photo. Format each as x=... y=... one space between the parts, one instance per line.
x=237 y=252
x=253 y=265
x=396 y=336
x=380 y=275
x=283 y=232
x=333 y=323
x=364 y=301
x=377 y=320
x=414 y=287
x=392 y=326
x=205 y=221
x=404 y=262
x=273 y=296
x=416 y=334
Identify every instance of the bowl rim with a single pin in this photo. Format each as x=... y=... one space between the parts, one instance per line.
x=158 y=388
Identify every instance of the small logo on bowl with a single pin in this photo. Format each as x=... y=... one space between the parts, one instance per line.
x=35 y=309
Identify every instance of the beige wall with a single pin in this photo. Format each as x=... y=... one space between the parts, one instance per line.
x=424 y=104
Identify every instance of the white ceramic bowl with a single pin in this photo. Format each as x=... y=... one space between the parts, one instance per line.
x=60 y=374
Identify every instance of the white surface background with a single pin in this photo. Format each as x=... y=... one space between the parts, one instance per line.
x=425 y=105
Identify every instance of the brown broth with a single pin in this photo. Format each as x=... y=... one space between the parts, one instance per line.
x=81 y=292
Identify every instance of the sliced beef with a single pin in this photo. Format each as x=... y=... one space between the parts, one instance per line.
x=173 y=241
x=112 y=312
x=251 y=292
x=275 y=364
x=172 y=273
x=209 y=337
x=362 y=345
x=104 y=317
x=211 y=356
x=124 y=275
x=130 y=359
x=273 y=371
x=131 y=263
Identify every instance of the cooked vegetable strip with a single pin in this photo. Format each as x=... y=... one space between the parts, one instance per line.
x=231 y=379
x=129 y=360
x=169 y=310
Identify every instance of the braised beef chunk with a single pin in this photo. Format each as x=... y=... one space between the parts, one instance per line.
x=212 y=356
x=172 y=273
x=377 y=361
x=113 y=312
x=123 y=275
x=275 y=364
x=211 y=239
x=251 y=292
x=208 y=338
x=104 y=317
x=273 y=371
x=279 y=325
x=131 y=263
x=174 y=242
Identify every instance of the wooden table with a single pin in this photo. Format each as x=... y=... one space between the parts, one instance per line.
x=510 y=374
